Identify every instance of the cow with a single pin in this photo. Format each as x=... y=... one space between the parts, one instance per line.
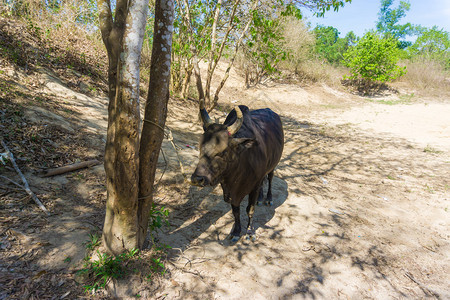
x=239 y=154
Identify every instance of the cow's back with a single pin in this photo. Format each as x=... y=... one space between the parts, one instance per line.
x=265 y=126
x=269 y=134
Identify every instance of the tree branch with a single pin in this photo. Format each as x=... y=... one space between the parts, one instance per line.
x=230 y=64
x=26 y=187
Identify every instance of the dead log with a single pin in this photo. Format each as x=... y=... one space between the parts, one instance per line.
x=69 y=168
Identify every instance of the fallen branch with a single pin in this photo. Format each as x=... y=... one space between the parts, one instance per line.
x=25 y=186
x=426 y=290
x=70 y=168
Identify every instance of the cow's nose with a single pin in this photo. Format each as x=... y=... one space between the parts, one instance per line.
x=198 y=180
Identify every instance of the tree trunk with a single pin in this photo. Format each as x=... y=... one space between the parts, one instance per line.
x=198 y=80
x=155 y=110
x=112 y=33
x=230 y=64
x=123 y=39
x=187 y=80
x=212 y=51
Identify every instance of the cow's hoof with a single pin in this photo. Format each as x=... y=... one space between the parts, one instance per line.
x=251 y=237
x=269 y=203
x=234 y=239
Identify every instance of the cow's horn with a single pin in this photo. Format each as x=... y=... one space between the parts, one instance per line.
x=233 y=128
x=205 y=117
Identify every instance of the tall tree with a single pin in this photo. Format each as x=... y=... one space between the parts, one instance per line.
x=433 y=43
x=329 y=45
x=155 y=110
x=212 y=26
x=127 y=210
x=388 y=22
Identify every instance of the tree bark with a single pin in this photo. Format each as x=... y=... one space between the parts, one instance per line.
x=123 y=39
x=155 y=110
x=187 y=80
x=112 y=33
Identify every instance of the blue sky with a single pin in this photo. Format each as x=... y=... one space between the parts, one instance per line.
x=361 y=15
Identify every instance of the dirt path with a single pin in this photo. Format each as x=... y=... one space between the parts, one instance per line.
x=361 y=208
x=361 y=201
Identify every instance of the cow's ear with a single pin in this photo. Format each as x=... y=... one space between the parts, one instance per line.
x=242 y=143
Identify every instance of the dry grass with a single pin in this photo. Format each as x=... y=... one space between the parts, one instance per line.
x=59 y=30
x=315 y=70
x=298 y=40
x=426 y=76
x=302 y=65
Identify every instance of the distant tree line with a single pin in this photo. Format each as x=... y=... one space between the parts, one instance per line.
x=375 y=55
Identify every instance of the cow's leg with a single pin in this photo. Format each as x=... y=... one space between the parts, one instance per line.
x=250 y=211
x=269 y=200
x=260 y=196
x=226 y=194
x=235 y=233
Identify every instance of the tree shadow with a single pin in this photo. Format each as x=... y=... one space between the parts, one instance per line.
x=203 y=209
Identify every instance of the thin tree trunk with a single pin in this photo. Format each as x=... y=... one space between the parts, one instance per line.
x=155 y=110
x=214 y=59
x=122 y=152
x=112 y=32
x=212 y=52
x=198 y=77
x=198 y=80
x=187 y=80
x=230 y=64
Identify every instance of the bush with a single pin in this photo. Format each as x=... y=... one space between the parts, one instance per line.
x=374 y=59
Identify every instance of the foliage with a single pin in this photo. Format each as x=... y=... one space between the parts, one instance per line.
x=265 y=43
x=80 y=12
x=426 y=74
x=433 y=43
x=182 y=52
x=319 y=7
x=94 y=241
x=271 y=39
x=158 y=217
x=389 y=18
x=157 y=265
x=374 y=58
x=105 y=268
x=329 y=45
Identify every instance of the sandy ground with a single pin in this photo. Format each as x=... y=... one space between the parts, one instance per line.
x=361 y=206
x=361 y=200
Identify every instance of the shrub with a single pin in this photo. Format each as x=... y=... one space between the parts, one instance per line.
x=374 y=59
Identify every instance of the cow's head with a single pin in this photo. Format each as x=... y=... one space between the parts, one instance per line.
x=218 y=149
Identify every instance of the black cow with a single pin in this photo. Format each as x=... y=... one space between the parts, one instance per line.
x=239 y=154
